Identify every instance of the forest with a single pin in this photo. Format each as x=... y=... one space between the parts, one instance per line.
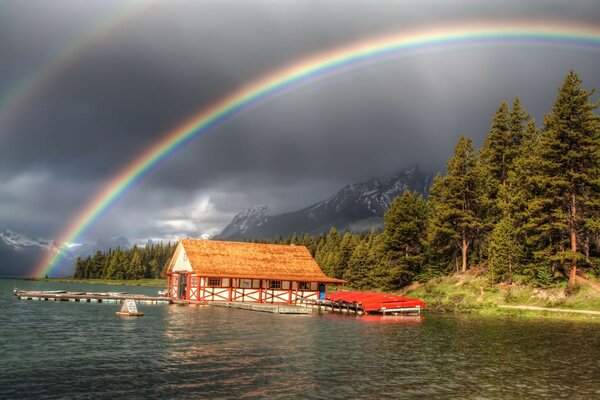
x=135 y=263
x=525 y=208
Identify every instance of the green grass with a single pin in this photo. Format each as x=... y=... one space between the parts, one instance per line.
x=129 y=282
x=471 y=293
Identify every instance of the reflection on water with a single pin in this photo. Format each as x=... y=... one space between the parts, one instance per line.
x=57 y=350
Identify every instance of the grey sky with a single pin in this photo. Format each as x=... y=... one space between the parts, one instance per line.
x=169 y=59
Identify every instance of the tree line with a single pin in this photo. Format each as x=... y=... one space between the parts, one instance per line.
x=525 y=206
x=135 y=263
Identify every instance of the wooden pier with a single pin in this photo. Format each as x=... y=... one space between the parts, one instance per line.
x=86 y=297
x=262 y=307
x=321 y=306
x=301 y=307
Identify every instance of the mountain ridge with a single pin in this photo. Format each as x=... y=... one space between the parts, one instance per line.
x=356 y=207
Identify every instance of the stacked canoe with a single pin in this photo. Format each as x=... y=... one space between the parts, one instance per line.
x=372 y=302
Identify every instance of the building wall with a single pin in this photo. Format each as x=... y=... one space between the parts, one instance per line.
x=244 y=290
x=181 y=261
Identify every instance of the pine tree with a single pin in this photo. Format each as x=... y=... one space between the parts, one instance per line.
x=518 y=124
x=497 y=149
x=569 y=174
x=78 y=274
x=456 y=202
x=404 y=237
x=328 y=254
x=347 y=245
x=504 y=253
x=98 y=261
x=136 y=269
x=358 y=271
x=498 y=155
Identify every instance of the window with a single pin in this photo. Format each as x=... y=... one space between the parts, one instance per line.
x=275 y=285
x=214 y=281
x=194 y=281
x=246 y=283
x=304 y=286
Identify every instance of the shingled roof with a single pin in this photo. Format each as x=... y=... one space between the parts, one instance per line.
x=213 y=258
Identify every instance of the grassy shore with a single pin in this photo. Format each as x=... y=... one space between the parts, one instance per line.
x=132 y=282
x=472 y=293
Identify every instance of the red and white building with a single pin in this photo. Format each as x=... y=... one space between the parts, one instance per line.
x=209 y=270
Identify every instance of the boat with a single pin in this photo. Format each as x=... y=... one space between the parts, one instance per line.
x=129 y=309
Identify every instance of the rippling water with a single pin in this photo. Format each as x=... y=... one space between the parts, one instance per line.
x=72 y=350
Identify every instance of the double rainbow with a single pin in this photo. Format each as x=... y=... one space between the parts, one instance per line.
x=330 y=62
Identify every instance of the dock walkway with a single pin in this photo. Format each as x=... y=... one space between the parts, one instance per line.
x=86 y=297
x=262 y=307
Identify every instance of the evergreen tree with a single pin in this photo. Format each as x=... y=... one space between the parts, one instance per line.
x=568 y=175
x=347 y=245
x=456 y=202
x=328 y=256
x=497 y=150
x=518 y=124
x=404 y=237
x=505 y=252
x=359 y=267
x=497 y=160
x=78 y=274
x=294 y=239
x=136 y=269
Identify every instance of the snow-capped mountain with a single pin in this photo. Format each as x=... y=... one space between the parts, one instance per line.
x=358 y=207
x=20 y=254
x=248 y=220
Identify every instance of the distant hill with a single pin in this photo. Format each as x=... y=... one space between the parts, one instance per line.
x=358 y=207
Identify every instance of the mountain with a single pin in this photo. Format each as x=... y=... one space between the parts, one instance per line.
x=20 y=254
x=358 y=208
x=251 y=218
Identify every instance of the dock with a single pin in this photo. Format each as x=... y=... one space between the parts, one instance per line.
x=262 y=307
x=349 y=303
x=88 y=297
x=360 y=303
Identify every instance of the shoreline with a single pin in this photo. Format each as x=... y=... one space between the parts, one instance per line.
x=475 y=294
x=119 y=282
x=461 y=294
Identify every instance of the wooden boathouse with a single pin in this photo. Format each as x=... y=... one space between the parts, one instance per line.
x=210 y=270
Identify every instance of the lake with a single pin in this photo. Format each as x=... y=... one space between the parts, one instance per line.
x=72 y=350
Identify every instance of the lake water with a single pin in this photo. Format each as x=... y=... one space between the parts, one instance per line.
x=72 y=350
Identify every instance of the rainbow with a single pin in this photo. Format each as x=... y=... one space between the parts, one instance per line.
x=16 y=97
x=308 y=69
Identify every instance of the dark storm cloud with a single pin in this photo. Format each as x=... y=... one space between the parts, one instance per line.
x=169 y=60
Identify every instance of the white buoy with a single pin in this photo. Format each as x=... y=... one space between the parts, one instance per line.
x=129 y=309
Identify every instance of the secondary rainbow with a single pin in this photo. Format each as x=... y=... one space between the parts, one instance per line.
x=15 y=98
x=324 y=64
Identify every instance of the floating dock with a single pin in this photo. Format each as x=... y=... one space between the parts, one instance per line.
x=262 y=307
x=359 y=303
x=86 y=297
x=356 y=303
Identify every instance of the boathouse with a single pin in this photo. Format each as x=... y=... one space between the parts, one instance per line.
x=210 y=270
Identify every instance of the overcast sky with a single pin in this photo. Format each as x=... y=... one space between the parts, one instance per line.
x=157 y=63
